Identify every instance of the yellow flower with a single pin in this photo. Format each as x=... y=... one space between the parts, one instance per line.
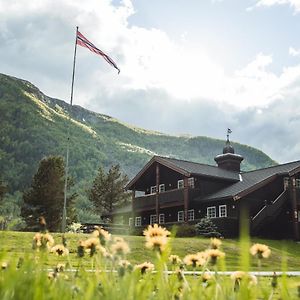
x=4 y=265
x=124 y=263
x=206 y=276
x=60 y=250
x=154 y=231
x=174 y=259
x=120 y=248
x=42 y=241
x=214 y=254
x=260 y=250
x=157 y=243
x=92 y=245
x=145 y=267
x=194 y=260
x=60 y=267
x=103 y=235
x=240 y=275
x=118 y=239
x=215 y=243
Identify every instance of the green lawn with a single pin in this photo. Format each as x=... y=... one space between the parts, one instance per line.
x=19 y=244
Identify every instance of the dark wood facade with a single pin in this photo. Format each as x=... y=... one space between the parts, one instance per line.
x=170 y=191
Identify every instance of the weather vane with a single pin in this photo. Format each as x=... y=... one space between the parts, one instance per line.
x=228 y=133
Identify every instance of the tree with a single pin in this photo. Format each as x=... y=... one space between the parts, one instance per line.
x=3 y=190
x=108 y=191
x=207 y=228
x=45 y=198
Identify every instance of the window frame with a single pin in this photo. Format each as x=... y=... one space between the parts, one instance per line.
x=159 y=219
x=130 y=221
x=136 y=221
x=181 y=212
x=160 y=189
x=220 y=208
x=151 y=222
x=286 y=182
x=297 y=184
x=193 y=214
x=210 y=208
x=179 y=183
x=153 y=189
x=191 y=182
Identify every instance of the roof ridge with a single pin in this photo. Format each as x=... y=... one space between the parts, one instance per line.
x=276 y=166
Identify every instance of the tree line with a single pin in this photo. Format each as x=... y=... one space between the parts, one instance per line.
x=45 y=196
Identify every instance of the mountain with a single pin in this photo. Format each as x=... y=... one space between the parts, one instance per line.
x=33 y=125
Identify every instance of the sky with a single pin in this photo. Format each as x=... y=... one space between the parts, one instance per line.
x=193 y=67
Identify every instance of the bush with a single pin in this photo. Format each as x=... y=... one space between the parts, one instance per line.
x=185 y=230
x=207 y=228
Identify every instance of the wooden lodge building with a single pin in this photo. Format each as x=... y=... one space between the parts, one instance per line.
x=177 y=191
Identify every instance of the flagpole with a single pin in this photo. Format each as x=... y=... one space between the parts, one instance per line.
x=64 y=216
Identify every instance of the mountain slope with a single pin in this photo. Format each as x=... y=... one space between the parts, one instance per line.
x=33 y=125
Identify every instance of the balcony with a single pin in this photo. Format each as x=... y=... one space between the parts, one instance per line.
x=166 y=199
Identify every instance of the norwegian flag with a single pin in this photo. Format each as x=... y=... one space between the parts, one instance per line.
x=81 y=40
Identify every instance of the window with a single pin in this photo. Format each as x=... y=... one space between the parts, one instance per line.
x=180 y=216
x=130 y=221
x=138 y=221
x=211 y=212
x=191 y=182
x=153 y=189
x=222 y=211
x=191 y=215
x=162 y=188
x=180 y=184
x=286 y=182
x=161 y=218
x=297 y=183
x=153 y=219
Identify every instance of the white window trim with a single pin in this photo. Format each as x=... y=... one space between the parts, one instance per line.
x=161 y=218
x=297 y=183
x=151 y=219
x=138 y=220
x=130 y=221
x=286 y=182
x=162 y=188
x=153 y=189
x=191 y=182
x=179 y=182
x=181 y=212
x=220 y=209
x=211 y=207
x=193 y=215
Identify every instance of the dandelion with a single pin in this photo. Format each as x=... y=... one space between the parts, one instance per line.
x=157 y=243
x=206 y=276
x=260 y=251
x=239 y=276
x=155 y=230
x=120 y=248
x=92 y=245
x=215 y=243
x=59 y=250
x=214 y=254
x=52 y=275
x=103 y=235
x=60 y=267
x=145 y=267
x=174 y=259
x=42 y=241
x=4 y=265
x=194 y=260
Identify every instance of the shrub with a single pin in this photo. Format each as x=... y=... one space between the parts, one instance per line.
x=185 y=230
x=207 y=228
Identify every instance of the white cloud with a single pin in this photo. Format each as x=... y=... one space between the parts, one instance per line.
x=294 y=52
x=295 y=4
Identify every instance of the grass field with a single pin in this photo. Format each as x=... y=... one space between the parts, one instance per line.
x=18 y=244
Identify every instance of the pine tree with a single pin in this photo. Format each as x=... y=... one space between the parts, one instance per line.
x=107 y=191
x=207 y=228
x=3 y=190
x=46 y=196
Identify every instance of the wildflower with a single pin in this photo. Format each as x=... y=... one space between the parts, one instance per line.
x=92 y=245
x=215 y=243
x=60 y=268
x=120 y=248
x=274 y=282
x=118 y=239
x=238 y=276
x=102 y=234
x=52 y=275
x=123 y=266
x=43 y=224
x=4 y=265
x=206 y=276
x=80 y=249
x=145 y=267
x=194 y=260
x=214 y=254
x=42 y=241
x=260 y=250
x=155 y=230
x=60 y=250
x=174 y=259
x=157 y=243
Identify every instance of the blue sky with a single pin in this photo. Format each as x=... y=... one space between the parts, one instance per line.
x=187 y=67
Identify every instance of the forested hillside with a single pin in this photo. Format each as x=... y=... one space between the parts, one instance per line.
x=33 y=126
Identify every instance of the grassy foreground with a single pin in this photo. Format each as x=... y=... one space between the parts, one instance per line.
x=25 y=273
x=16 y=244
